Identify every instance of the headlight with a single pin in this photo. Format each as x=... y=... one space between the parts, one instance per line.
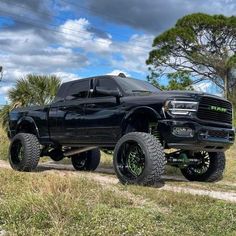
x=181 y=107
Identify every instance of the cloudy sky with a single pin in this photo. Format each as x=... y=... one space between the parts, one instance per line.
x=75 y=39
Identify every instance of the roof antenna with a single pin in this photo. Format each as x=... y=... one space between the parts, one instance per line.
x=122 y=75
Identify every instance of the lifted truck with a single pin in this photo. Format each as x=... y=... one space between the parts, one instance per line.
x=136 y=120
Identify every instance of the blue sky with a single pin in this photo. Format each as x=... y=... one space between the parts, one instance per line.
x=76 y=39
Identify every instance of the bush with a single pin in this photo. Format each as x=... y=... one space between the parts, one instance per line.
x=4 y=143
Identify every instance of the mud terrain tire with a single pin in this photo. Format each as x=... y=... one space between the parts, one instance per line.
x=139 y=159
x=24 y=152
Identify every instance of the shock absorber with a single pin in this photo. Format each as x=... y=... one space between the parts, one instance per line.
x=153 y=130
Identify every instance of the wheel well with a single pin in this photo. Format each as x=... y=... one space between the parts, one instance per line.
x=142 y=121
x=27 y=127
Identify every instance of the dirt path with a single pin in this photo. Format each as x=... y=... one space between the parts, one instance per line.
x=106 y=177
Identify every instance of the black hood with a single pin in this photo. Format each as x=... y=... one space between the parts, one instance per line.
x=174 y=94
x=162 y=96
x=191 y=94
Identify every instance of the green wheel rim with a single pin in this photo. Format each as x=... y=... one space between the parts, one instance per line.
x=136 y=160
x=131 y=160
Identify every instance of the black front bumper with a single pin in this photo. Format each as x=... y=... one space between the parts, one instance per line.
x=204 y=138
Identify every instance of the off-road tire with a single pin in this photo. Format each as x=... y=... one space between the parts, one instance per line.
x=91 y=160
x=214 y=172
x=154 y=159
x=30 y=152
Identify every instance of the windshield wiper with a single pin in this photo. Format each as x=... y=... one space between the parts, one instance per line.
x=139 y=90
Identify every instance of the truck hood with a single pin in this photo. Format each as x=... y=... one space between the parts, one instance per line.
x=190 y=94
x=162 y=96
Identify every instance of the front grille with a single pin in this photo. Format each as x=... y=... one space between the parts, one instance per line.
x=205 y=111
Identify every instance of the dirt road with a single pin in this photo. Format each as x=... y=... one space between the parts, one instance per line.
x=106 y=176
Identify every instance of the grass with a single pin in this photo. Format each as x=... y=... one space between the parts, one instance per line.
x=4 y=143
x=60 y=203
x=48 y=203
x=230 y=171
x=192 y=215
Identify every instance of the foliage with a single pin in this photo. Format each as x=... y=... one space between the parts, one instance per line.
x=201 y=45
x=176 y=81
x=34 y=90
x=31 y=90
x=4 y=115
x=4 y=143
x=233 y=100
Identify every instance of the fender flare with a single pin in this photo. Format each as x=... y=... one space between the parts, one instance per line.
x=136 y=110
x=29 y=120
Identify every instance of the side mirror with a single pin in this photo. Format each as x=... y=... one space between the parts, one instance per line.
x=114 y=93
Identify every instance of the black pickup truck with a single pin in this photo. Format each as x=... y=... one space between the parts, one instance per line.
x=136 y=120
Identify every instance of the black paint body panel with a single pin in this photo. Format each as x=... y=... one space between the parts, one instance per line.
x=102 y=121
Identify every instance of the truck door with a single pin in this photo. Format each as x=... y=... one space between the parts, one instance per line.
x=67 y=115
x=103 y=114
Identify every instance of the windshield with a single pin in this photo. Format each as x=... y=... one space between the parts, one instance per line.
x=133 y=85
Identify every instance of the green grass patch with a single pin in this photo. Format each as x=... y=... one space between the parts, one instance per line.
x=191 y=215
x=230 y=171
x=4 y=143
x=48 y=203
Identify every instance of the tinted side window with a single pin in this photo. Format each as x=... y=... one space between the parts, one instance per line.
x=61 y=94
x=78 y=89
x=107 y=84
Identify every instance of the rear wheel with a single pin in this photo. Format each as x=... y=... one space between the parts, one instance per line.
x=139 y=159
x=24 y=152
x=87 y=161
x=209 y=169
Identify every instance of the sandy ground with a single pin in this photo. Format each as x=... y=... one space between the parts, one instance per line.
x=106 y=177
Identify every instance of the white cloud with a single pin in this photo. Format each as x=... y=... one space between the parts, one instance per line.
x=3 y=92
x=45 y=61
x=65 y=77
x=208 y=87
x=203 y=86
x=77 y=46
x=5 y=89
x=76 y=34
x=134 y=53
x=21 y=41
x=117 y=72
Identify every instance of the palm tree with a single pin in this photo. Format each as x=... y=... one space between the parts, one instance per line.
x=4 y=116
x=34 y=90
x=30 y=90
